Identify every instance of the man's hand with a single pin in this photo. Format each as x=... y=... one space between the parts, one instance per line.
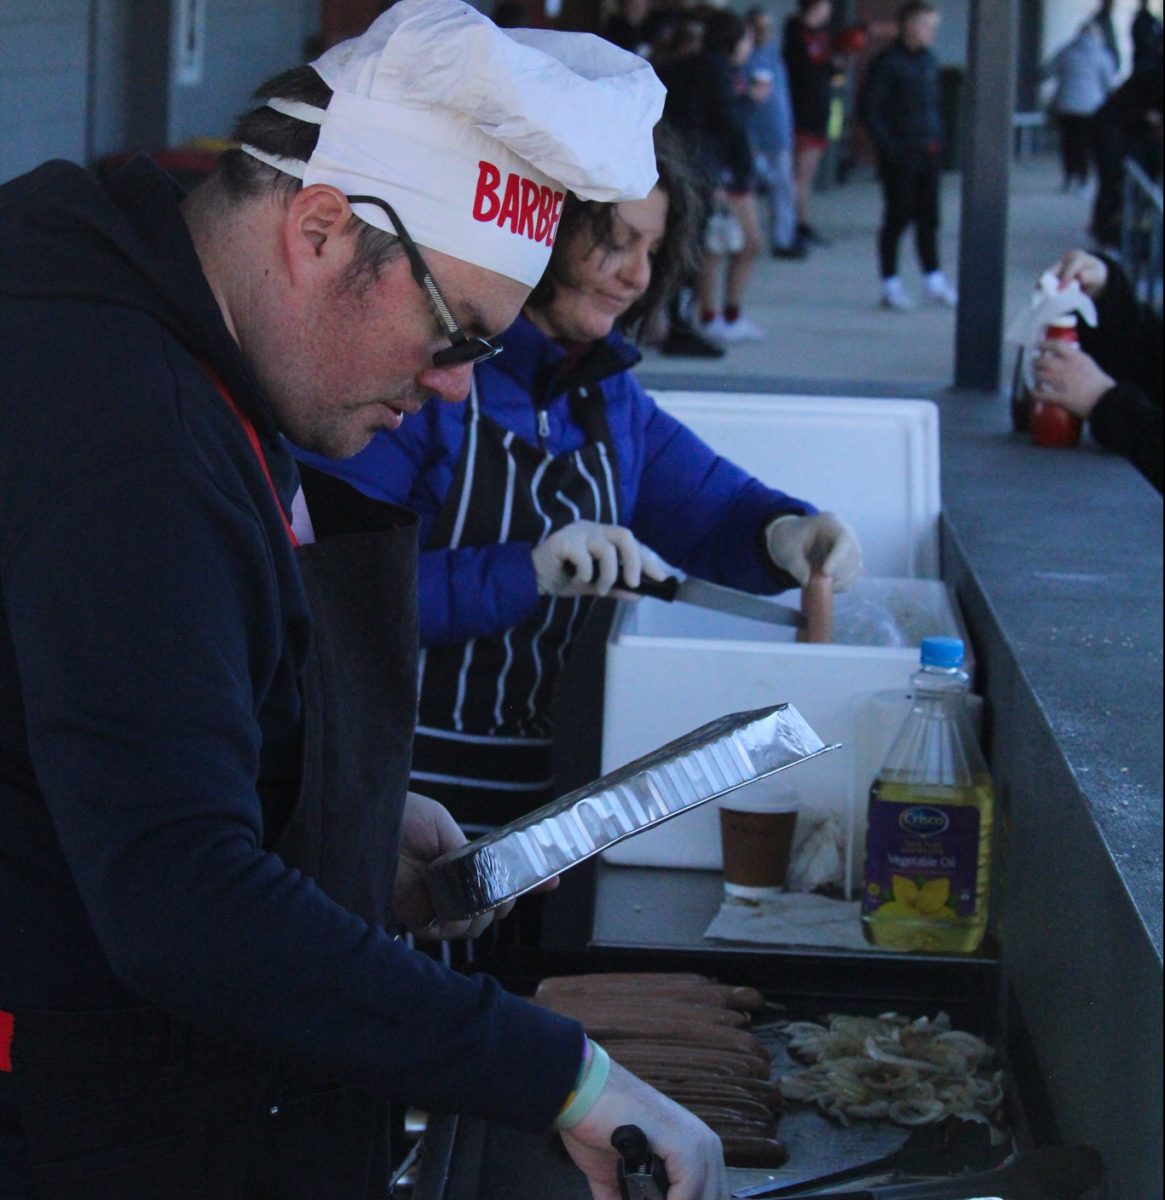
x=691 y=1152
x=427 y=832
x=586 y=559
x=1067 y=376
x=824 y=540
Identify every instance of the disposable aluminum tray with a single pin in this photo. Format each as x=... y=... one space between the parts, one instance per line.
x=710 y=761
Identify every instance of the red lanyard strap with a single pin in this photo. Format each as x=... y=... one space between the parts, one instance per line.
x=5 y=1041
x=256 y=446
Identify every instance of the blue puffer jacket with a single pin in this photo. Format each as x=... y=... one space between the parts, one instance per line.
x=697 y=510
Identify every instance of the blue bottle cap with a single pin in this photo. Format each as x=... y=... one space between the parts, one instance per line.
x=946 y=652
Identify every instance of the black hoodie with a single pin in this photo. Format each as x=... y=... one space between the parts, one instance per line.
x=901 y=101
x=153 y=626
x=1127 y=345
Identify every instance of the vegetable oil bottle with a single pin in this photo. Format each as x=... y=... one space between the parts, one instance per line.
x=928 y=855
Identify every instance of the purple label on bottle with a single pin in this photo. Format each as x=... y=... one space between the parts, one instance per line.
x=922 y=860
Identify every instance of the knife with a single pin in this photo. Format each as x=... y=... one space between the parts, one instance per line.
x=721 y=599
x=711 y=595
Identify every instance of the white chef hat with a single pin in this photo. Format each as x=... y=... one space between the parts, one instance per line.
x=473 y=133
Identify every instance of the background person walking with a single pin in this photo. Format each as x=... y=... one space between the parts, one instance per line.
x=1084 y=73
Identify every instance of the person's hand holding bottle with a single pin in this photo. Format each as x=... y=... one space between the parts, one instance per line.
x=1063 y=373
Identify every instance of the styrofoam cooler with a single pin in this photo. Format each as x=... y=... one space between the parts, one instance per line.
x=874 y=462
x=671 y=667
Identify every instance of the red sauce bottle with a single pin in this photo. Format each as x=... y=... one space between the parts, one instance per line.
x=1051 y=423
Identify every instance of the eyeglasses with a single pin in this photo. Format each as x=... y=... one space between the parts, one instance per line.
x=463 y=348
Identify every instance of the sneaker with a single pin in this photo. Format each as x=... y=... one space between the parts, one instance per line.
x=940 y=290
x=743 y=330
x=716 y=329
x=681 y=341
x=895 y=295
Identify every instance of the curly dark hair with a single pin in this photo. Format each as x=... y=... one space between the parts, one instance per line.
x=241 y=177
x=593 y=220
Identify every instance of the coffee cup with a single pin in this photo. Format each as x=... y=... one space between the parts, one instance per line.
x=756 y=836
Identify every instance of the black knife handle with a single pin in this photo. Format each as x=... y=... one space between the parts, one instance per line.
x=640 y=1175
x=657 y=589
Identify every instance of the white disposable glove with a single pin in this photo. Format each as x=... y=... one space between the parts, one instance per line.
x=692 y=1154
x=598 y=556
x=824 y=540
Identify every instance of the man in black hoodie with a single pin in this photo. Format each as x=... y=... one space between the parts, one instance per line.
x=900 y=104
x=207 y=686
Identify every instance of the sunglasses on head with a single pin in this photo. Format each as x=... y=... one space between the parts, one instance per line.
x=463 y=348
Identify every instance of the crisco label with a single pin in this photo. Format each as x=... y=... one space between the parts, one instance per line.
x=924 y=821
x=921 y=860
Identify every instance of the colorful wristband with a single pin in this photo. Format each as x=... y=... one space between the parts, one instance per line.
x=592 y=1079
x=583 y=1070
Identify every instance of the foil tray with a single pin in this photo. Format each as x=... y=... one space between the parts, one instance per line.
x=709 y=762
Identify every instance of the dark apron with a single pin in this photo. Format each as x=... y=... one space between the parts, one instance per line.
x=485 y=740
x=139 y=1105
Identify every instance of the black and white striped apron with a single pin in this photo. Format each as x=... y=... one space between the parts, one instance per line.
x=484 y=744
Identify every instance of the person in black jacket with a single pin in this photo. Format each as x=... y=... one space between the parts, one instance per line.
x=900 y=104
x=1116 y=383
x=1127 y=125
x=1145 y=32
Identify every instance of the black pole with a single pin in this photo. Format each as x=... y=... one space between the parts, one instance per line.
x=988 y=104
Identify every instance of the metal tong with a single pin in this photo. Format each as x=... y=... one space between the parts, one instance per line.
x=1046 y=1173
x=951 y=1145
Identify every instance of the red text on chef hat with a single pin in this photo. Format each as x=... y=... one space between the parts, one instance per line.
x=530 y=209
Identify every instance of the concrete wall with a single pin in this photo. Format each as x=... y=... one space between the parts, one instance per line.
x=246 y=42
x=89 y=77
x=44 y=54
x=1073 y=713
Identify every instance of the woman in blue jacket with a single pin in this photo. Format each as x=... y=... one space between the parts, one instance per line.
x=549 y=483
